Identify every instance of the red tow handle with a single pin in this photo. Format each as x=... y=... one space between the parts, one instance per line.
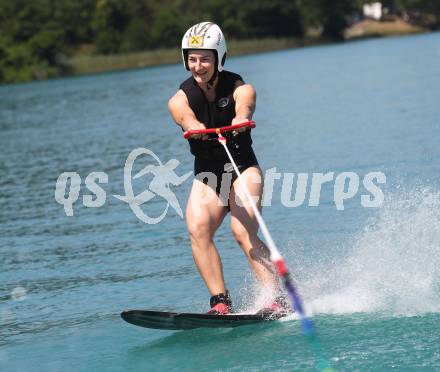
x=229 y=128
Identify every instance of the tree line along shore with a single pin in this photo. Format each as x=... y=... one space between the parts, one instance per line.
x=90 y=63
x=40 y=39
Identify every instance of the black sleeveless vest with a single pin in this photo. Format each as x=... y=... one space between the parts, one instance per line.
x=216 y=114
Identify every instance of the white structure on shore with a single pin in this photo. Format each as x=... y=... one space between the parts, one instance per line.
x=373 y=10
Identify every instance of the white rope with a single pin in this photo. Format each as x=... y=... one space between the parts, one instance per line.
x=274 y=252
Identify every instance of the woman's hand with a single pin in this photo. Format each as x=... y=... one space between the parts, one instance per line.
x=197 y=126
x=236 y=121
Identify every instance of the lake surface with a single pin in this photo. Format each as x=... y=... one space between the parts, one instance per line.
x=369 y=276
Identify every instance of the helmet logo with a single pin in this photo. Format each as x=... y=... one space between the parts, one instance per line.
x=195 y=41
x=223 y=102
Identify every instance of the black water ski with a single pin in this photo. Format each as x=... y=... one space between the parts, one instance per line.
x=181 y=321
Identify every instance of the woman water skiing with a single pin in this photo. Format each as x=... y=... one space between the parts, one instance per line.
x=212 y=98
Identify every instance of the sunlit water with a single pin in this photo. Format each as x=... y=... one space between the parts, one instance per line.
x=370 y=276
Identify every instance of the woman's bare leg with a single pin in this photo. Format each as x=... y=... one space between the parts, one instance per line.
x=204 y=215
x=245 y=226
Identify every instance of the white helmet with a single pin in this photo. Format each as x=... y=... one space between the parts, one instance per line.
x=207 y=36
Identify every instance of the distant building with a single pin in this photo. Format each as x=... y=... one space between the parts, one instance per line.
x=373 y=10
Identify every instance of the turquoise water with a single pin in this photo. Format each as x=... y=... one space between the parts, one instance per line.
x=369 y=276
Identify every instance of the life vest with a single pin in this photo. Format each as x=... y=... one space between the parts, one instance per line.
x=214 y=115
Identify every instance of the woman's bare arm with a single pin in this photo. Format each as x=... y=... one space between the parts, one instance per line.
x=245 y=101
x=182 y=114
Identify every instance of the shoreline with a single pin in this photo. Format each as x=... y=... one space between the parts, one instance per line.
x=88 y=63
x=93 y=64
x=370 y=29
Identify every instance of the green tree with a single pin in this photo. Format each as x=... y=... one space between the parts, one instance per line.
x=75 y=19
x=16 y=62
x=137 y=36
x=168 y=30
x=278 y=18
x=46 y=45
x=332 y=15
x=31 y=40
x=109 y=22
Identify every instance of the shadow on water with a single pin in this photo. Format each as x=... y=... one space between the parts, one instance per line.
x=212 y=336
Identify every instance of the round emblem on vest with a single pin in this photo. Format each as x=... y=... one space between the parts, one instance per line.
x=223 y=102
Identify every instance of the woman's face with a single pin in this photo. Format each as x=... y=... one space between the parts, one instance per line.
x=201 y=63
